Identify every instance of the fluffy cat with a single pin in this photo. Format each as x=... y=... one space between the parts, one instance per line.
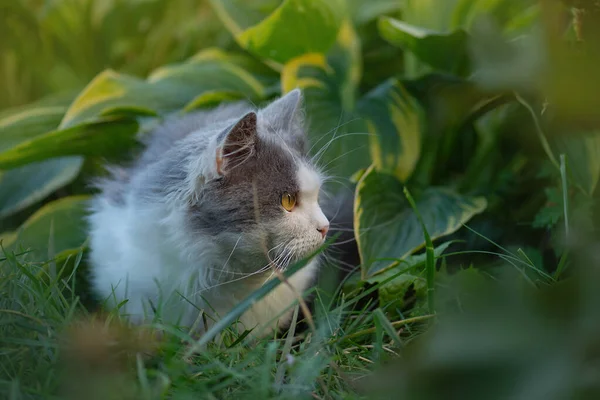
x=216 y=201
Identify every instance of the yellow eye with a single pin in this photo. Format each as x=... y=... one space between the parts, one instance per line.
x=288 y=201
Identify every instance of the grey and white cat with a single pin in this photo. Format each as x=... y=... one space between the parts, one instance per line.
x=216 y=201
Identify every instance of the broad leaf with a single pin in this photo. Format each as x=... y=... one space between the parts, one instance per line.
x=387 y=229
x=394 y=122
x=167 y=89
x=107 y=137
x=294 y=28
x=54 y=229
x=29 y=123
x=446 y=51
x=26 y=185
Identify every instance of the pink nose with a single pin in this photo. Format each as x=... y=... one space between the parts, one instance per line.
x=324 y=229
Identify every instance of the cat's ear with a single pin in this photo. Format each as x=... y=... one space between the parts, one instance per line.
x=286 y=115
x=287 y=110
x=236 y=144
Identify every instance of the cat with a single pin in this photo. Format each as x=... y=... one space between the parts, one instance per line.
x=217 y=200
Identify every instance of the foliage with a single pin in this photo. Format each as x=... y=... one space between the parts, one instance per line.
x=485 y=111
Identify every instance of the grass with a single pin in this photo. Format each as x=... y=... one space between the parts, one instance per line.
x=53 y=346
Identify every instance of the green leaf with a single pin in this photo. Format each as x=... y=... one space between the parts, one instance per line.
x=387 y=228
x=169 y=88
x=363 y=12
x=502 y=64
x=394 y=124
x=392 y=293
x=294 y=28
x=441 y=50
x=329 y=83
x=409 y=264
x=398 y=293
x=26 y=185
x=583 y=155
x=29 y=123
x=101 y=138
x=62 y=220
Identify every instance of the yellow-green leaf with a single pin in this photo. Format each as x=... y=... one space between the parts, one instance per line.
x=294 y=28
x=108 y=137
x=394 y=122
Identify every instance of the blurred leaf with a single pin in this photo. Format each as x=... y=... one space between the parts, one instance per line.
x=27 y=124
x=394 y=124
x=296 y=27
x=26 y=185
x=169 y=88
x=212 y=98
x=443 y=51
x=387 y=228
x=502 y=64
x=583 y=158
x=363 y=12
x=63 y=219
x=110 y=90
x=103 y=138
x=239 y=15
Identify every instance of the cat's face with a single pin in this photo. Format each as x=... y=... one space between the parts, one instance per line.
x=267 y=191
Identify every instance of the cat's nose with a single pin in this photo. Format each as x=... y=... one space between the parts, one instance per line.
x=324 y=229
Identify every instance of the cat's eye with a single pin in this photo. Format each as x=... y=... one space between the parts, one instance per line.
x=288 y=201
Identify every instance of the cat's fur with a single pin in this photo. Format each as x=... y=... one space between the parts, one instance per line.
x=188 y=226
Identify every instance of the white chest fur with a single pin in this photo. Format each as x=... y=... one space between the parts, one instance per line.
x=135 y=259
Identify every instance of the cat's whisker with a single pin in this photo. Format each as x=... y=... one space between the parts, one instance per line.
x=338 y=264
x=343 y=155
x=335 y=129
x=229 y=257
x=334 y=138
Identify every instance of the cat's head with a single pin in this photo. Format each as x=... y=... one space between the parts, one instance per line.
x=266 y=189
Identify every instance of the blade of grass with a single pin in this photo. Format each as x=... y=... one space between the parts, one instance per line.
x=563 y=177
x=387 y=327
x=242 y=307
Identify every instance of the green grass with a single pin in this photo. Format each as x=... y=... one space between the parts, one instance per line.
x=51 y=345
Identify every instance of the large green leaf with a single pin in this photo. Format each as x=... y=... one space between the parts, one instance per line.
x=108 y=137
x=24 y=186
x=445 y=51
x=167 y=89
x=297 y=27
x=395 y=125
x=29 y=123
x=294 y=28
x=54 y=229
x=387 y=229
x=339 y=138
